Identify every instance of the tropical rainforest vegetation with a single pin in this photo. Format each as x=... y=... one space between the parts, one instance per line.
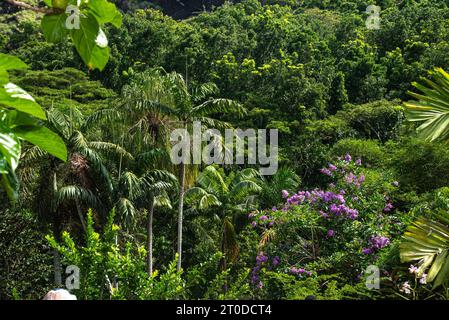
x=358 y=208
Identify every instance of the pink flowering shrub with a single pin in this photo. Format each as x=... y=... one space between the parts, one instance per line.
x=338 y=229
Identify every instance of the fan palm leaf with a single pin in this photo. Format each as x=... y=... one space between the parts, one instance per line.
x=427 y=242
x=431 y=108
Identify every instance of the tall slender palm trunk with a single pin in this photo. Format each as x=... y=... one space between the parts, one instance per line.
x=150 y=238
x=180 y=213
x=56 y=232
x=80 y=215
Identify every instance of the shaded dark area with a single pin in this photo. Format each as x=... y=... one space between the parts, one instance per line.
x=178 y=9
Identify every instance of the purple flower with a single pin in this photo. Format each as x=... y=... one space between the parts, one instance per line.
x=348 y=157
x=251 y=215
x=361 y=178
x=332 y=167
x=263 y=218
x=261 y=258
x=254 y=278
x=274 y=209
x=333 y=208
x=352 y=213
x=330 y=233
x=254 y=224
x=388 y=207
x=340 y=198
x=379 y=242
x=284 y=194
x=276 y=261
x=259 y=285
x=309 y=273
x=324 y=214
x=350 y=177
x=326 y=172
x=367 y=251
x=358 y=162
x=297 y=271
x=271 y=223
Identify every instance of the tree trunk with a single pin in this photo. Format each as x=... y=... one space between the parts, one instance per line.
x=56 y=232
x=57 y=268
x=80 y=215
x=150 y=238
x=180 y=212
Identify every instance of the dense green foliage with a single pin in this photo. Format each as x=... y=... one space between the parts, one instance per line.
x=118 y=208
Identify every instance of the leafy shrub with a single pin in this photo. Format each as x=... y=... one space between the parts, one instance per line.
x=324 y=287
x=379 y=120
x=368 y=150
x=421 y=166
x=25 y=259
x=108 y=273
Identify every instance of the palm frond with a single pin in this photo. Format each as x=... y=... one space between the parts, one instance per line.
x=59 y=122
x=75 y=193
x=204 y=90
x=108 y=115
x=162 y=200
x=244 y=188
x=267 y=236
x=126 y=211
x=130 y=184
x=110 y=148
x=432 y=107
x=200 y=198
x=214 y=106
x=212 y=181
x=427 y=242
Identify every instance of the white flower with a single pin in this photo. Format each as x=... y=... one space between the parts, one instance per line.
x=405 y=288
x=413 y=269
x=423 y=279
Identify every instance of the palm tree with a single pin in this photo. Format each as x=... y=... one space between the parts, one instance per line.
x=158 y=182
x=154 y=103
x=145 y=192
x=427 y=239
x=142 y=118
x=234 y=195
x=190 y=106
x=79 y=181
